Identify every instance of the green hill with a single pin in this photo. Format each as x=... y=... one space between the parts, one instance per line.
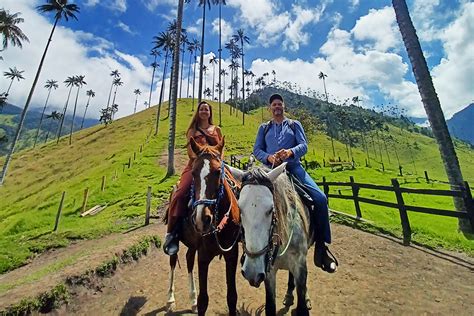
x=37 y=178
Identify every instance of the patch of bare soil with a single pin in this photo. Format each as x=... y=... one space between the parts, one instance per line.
x=377 y=275
x=180 y=159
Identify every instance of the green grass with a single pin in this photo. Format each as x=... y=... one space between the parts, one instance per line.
x=37 y=178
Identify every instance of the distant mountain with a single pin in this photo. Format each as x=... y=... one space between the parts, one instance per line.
x=10 y=117
x=461 y=124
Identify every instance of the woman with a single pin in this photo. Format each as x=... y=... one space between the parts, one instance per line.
x=204 y=132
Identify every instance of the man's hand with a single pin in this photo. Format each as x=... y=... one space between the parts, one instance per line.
x=284 y=154
x=274 y=160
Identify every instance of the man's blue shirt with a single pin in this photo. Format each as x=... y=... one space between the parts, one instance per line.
x=281 y=136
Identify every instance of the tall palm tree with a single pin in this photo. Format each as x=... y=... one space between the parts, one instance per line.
x=323 y=77
x=197 y=47
x=223 y=73
x=50 y=84
x=115 y=75
x=90 y=94
x=137 y=92
x=191 y=49
x=184 y=42
x=70 y=82
x=220 y=2
x=163 y=41
x=274 y=76
x=54 y=116
x=13 y=74
x=174 y=89
x=155 y=53
x=9 y=29
x=431 y=103
x=117 y=83
x=201 y=61
x=213 y=62
x=204 y=70
x=79 y=83
x=356 y=99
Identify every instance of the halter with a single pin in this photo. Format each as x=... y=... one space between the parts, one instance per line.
x=274 y=241
x=215 y=228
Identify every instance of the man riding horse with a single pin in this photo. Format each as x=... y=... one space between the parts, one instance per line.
x=283 y=140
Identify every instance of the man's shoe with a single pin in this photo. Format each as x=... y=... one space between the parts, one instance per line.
x=171 y=245
x=324 y=259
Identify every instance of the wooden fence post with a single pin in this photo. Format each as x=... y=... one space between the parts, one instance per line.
x=102 y=187
x=426 y=177
x=469 y=204
x=355 y=194
x=134 y=156
x=141 y=148
x=403 y=213
x=401 y=172
x=383 y=167
x=324 y=162
x=148 y=206
x=326 y=189
x=129 y=163
x=56 y=224
x=366 y=163
x=84 y=203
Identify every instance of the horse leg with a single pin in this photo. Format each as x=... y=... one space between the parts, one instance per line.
x=170 y=303
x=270 y=293
x=289 y=298
x=301 y=291
x=190 y=256
x=203 y=297
x=230 y=269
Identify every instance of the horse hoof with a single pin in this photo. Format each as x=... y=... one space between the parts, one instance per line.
x=302 y=312
x=194 y=309
x=288 y=300
x=170 y=307
x=308 y=304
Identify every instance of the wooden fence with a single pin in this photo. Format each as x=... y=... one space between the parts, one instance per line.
x=403 y=208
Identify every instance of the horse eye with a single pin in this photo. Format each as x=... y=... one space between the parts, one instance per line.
x=269 y=212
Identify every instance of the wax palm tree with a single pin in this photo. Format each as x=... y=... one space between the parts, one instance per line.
x=163 y=41
x=70 y=82
x=223 y=73
x=137 y=92
x=79 y=83
x=115 y=75
x=184 y=42
x=54 y=116
x=155 y=53
x=220 y=3
x=431 y=103
x=240 y=36
x=13 y=74
x=117 y=83
x=191 y=49
x=172 y=28
x=197 y=47
x=201 y=61
x=62 y=9
x=213 y=62
x=50 y=84
x=323 y=77
x=274 y=76
x=174 y=89
x=90 y=94
x=204 y=70
x=356 y=99
x=9 y=29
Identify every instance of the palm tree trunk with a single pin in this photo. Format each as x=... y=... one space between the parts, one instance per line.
x=73 y=115
x=25 y=108
x=243 y=82
x=174 y=89
x=110 y=93
x=189 y=72
x=11 y=82
x=431 y=103
x=201 y=62
x=158 y=110
x=194 y=79
x=151 y=85
x=220 y=64
x=135 y=108
x=60 y=127
x=182 y=70
x=85 y=111
x=41 y=119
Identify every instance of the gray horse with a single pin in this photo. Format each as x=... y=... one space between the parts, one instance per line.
x=277 y=234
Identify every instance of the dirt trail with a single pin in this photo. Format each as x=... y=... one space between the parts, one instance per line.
x=377 y=275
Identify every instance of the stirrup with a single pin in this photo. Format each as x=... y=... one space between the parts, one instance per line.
x=171 y=244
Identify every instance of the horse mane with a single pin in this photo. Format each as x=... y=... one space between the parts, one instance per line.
x=285 y=200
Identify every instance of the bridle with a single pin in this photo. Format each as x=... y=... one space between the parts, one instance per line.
x=215 y=227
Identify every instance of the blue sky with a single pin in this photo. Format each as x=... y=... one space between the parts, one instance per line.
x=355 y=42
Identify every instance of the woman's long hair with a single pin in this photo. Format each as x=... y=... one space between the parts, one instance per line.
x=195 y=120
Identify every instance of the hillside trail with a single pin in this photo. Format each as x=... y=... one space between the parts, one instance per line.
x=377 y=275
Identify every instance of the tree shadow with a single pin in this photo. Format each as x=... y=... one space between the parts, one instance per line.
x=133 y=305
x=164 y=309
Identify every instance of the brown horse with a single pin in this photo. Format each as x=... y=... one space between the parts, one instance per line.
x=215 y=220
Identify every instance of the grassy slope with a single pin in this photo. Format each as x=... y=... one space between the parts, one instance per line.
x=37 y=178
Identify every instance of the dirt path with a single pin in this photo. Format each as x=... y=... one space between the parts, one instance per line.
x=377 y=275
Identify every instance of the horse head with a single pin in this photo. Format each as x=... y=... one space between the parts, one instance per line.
x=208 y=177
x=256 y=203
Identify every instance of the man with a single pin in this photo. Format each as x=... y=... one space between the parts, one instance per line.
x=284 y=140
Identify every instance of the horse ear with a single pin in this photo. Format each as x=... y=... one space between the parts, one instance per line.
x=236 y=173
x=195 y=147
x=220 y=145
x=272 y=175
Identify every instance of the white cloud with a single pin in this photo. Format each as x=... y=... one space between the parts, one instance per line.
x=379 y=28
x=119 y=5
x=115 y=5
x=151 y=5
x=354 y=4
x=227 y=30
x=294 y=34
x=71 y=53
x=125 y=28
